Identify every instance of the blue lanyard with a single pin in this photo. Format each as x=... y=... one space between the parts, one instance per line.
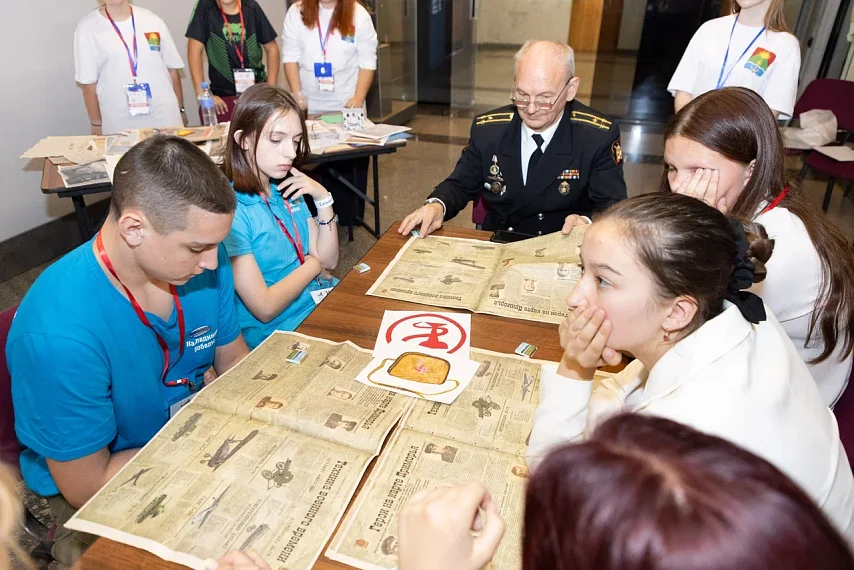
x=323 y=42
x=132 y=59
x=721 y=78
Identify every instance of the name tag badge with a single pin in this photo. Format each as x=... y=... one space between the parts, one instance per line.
x=325 y=79
x=176 y=407
x=243 y=79
x=320 y=294
x=139 y=99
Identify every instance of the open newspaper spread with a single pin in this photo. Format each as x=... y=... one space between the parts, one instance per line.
x=266 y=458
x=482 y=436
x=525 y=280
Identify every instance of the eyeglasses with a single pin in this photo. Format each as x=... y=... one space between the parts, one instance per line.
x=540 y=105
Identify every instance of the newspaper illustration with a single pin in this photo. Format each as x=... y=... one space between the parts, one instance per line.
x=526 y=280
x=482 y=436
x=265 y=458
x=84 y=174
x=422 y=354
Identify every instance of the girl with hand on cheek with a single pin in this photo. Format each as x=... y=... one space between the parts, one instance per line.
x=280 y=255
x=664 y=278
x=724 y=148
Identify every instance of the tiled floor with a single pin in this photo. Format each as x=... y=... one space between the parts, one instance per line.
x=409 y=175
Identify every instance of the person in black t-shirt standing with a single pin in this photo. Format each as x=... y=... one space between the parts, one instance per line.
x=232 y=33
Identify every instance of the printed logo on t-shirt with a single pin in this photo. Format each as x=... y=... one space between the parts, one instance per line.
x=153 y=40
x=760 y=61
x=235 y=30
x=349 y=39
x=201 y=331
x=201 y=339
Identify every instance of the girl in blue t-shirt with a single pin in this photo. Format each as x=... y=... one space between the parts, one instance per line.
x=280 y=255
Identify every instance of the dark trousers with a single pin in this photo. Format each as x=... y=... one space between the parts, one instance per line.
x=347 y=204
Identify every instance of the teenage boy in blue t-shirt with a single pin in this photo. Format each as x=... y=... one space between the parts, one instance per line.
x=95 y=350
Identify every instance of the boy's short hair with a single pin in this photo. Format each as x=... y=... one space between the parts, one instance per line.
x=163 y=176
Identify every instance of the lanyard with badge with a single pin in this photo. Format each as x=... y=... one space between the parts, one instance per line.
x=138 y=94
x=780 y=197
x=722 y=78
x=323 y=71
x=296 y=242
x=244 y=77
x=164 y=346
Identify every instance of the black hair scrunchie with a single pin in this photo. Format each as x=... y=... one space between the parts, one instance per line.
x=749 y=304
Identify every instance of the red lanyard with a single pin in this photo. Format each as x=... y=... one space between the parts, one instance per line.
x=133 y=60
x=776 y=201
x=323 y=43
x=237 y=50
x=99 y=244
x=297 y=243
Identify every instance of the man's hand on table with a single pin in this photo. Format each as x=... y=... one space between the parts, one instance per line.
x=573 y=220
x=427 y=219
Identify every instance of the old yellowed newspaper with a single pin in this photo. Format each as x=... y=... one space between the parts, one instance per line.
x=481 y=436
x=527 y=280
x=266 y=459
x=318 y=397
x=534 y=277
x=368 y=536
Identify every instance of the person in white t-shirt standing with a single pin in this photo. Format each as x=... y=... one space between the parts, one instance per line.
x=750 y=48
x=127 y=64
x=330 y=56
x=329 y=53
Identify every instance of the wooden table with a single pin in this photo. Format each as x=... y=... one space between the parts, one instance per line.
x=52 y=184
x=348 y=314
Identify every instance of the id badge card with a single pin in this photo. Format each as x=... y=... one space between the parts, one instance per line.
x=325 y=79
x=139 y=99
x=176 y=407
x=320 y=294
x=243 y=79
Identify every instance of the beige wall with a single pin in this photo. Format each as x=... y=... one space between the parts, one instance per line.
x=516 y=21
x=40 y=97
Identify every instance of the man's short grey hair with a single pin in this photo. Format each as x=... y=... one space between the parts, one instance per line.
x=559 y=50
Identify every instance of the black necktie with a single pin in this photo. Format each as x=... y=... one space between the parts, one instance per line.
x=535 y=156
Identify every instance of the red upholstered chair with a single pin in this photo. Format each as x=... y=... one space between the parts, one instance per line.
x=10 y=449
x=478 y=212
x=844 y=412
x=835 y=95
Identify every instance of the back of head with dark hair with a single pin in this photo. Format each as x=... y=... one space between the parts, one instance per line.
x=646 y=493
x=737 y=123
x=163 y=176
x=687 y=247
x=256 y=106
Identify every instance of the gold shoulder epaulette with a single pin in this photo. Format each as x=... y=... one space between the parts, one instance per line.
x=492 y=118
x=587 y=118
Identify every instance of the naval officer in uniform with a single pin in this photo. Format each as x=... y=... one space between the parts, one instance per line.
x=541 y=162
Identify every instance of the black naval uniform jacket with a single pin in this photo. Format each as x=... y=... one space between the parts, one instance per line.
x=581 y=171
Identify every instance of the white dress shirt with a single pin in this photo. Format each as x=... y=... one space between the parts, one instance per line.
x=529 y=145
x=745 y=383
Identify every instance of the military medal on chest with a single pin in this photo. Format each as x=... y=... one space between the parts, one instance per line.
x=495 y=178
x=565 y=177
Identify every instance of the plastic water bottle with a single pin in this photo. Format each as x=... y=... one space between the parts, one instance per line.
x=207 y=103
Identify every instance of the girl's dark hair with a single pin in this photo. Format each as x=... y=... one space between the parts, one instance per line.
x=253 y=110
x=646 y=493
x=738 y=124
x=687 y=247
